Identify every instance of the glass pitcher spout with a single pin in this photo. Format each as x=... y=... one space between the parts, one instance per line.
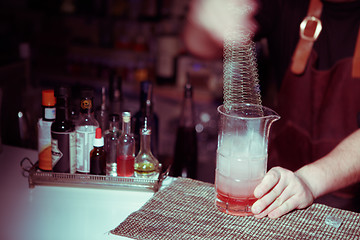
x=247 y=120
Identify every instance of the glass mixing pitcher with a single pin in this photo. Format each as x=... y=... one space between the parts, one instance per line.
x=242 y=153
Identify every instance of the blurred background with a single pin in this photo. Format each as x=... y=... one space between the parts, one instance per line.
x=87 y=43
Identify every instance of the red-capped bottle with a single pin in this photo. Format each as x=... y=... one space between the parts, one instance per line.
x=98 y=155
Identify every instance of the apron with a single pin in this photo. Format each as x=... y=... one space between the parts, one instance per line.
x=318 y=110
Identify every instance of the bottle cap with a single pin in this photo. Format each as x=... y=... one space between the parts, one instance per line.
x=48 y=98
x=99 y=140
x=126 y=116
x=86 y=102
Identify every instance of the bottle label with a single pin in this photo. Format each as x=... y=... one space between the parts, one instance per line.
x=56 y=153
x=49 y=113
x=63 y=151
x=85 y=136
x=44 y=145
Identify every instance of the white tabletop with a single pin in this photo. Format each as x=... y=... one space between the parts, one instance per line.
x=47 y=212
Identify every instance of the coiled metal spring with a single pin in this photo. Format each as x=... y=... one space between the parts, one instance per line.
x=241 y=80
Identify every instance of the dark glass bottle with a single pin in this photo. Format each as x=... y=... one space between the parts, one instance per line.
x=98 y=155
x=146 y=111
x=185 y=154
x=63 y=137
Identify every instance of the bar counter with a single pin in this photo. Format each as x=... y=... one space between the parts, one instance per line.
x=183 y=208
x=51 y=212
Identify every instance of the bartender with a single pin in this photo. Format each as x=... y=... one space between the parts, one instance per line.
x=314 y=52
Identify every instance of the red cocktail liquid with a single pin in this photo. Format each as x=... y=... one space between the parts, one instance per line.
x=234 y=206
x=125 y=166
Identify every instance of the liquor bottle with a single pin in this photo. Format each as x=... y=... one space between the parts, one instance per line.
x=146 y=165
x=146 y=111
x=63 y=137
x=98 y=155
x=85 y=132
x=185 y=154
x=102 y=113
x=126 y=148
x=44 y=129
x=111 y=142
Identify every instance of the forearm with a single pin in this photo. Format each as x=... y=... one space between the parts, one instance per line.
x=340 y=168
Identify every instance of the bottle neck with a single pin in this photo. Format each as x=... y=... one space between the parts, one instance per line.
x=87 y=113
x=145 y=141
x=126 y=127
x=187 y=117
x=103 y=99
x=114 y=126
x=62 y=112
x=146 y=103
x=146 y=107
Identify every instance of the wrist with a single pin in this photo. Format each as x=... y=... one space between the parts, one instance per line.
x=309 y=179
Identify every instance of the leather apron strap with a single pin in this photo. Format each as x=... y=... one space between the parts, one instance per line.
x=356 y=58
x=310 y=29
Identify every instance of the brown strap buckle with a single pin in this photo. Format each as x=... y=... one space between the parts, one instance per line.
x=310 y=28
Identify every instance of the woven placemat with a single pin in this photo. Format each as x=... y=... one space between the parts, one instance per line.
x=185 y=210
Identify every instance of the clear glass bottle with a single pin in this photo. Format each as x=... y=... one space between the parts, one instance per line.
x=185 y=154
x=146 y=111
x=63 y=137
x=85 y=132
x=146 y=165
x=98 y=155
x=111 y=137
x=126 y=148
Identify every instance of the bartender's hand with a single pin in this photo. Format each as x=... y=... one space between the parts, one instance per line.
x=208 y=21
x=280 y=192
